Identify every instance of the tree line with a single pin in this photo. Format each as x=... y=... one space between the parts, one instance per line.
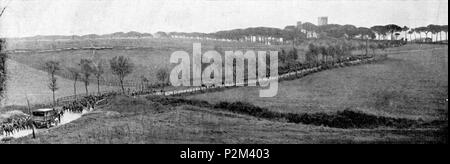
x=120 y=66
x=329 y=53
x=309 y=30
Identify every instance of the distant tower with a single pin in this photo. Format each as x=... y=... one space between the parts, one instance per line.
x=299 y=25
x=322 y=21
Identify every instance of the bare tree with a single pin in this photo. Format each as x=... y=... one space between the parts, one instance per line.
x=86 y=72
x=75 y=73
x=144 y=82
x=162 y=75
x=121 y=67
x=98 y=72
x=52 y=67
x=373 y=47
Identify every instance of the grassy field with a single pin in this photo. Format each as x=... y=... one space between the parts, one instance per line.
x=128 y=120
x=31 y=44
x=24 y=81
x=148 y=55
x=412 y=85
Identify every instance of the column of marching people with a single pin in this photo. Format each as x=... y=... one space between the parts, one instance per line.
x=13 y=125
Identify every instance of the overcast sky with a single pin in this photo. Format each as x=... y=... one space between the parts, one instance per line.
x=79 y=17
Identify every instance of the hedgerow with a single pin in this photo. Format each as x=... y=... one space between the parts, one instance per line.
x=347 y=119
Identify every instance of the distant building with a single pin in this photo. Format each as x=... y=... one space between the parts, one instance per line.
x=322 y=21
x=299 y=25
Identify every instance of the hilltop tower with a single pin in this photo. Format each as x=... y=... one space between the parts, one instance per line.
x=322 y=21
x=299 y=25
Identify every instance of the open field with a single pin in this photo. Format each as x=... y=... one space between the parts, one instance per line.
x=412 y=85
x=127 y=120
x=30 y=44
x=24 y=81
x=148 y=55
x=26 y=78
x=25 y=66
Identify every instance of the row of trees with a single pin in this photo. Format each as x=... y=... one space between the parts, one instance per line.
x=437 y=30
x=308 y=30
x=86 y=68
x=336 y=52
x=287 y=56
x=120 y=66
x=328 y=53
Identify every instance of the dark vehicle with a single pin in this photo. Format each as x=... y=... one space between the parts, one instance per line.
x=46 y=118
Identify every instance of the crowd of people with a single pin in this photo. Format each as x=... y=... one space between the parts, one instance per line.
x=146 y=92
x=17 y=123
x=87 y=102
x=12 y=125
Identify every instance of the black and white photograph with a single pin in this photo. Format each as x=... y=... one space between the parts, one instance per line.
x=201 y=72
